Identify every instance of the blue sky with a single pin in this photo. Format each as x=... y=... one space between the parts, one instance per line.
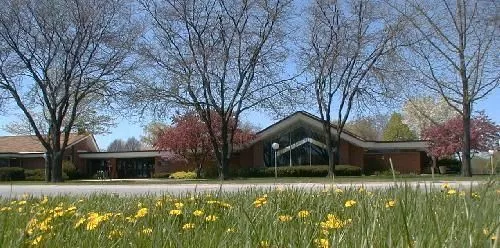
x=127 y=128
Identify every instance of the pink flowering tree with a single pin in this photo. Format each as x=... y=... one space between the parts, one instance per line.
x=188 y=139
x=447 y=139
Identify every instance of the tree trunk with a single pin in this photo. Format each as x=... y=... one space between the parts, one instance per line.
x=466 y=161
x=330 y=149
x=48 y=167
x=57 y=167
x=198 y=170
x=224 y=161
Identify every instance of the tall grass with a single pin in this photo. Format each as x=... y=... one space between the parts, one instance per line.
x=355 y=217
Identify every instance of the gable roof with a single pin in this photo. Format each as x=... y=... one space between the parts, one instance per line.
x=31 y=144
x=312 y=121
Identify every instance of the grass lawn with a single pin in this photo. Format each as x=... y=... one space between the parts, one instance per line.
x=395 y=217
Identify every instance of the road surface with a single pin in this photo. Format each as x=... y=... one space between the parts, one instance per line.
x=15 y=190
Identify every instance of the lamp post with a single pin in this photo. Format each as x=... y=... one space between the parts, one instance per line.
x=275 y=147
x=491 y=152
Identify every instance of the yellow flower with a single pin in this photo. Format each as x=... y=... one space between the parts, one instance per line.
x=264 y=244
x=452 y=192
x=285 y=218
x=475 y=195
x=141 y=213
x=179 y=205
x=211 y=218
x=303 y=214
x=198 y=213
x=45 y=200
x=322 y=243
x=445 y=186
x=332 y=222
x=23 y=202
x=37 y=240
x=147 y=231
x=45 y=224
x=70 y=209
x=350 y=203
x=230 y=230
x=79 y=222
x=94 y=219
x=175 y=212
x=187 y=226
x=115 y=234
x=159 y=204
x=390 y=204
x=225 y=205
x=4 y=209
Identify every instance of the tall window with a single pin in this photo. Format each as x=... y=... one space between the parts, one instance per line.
x=300 y=146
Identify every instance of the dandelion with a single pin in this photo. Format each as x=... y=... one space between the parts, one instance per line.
x=115 y=234
x=71 y=209
x=175 y=212
x=303 y=214
x=179 y=205
x=79 y=222
x=451 y=192
x=332 y=222
x=285 y=218
x=5 y=209
x=264 y=244
x=45 y=224
x=198 y=213
x=45 y=200
x=390 y=204
x=23 y=202
x=37 y=240
x=188 y=226
x=350 y=203
x=322 y=243
x=211 y=218
x=147 y=231
x=338 y=191
x=141 y=213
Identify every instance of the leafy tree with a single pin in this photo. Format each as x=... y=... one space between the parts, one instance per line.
x=58 y=58
x=188 y=138
x=396 y=130
x=446 y=139
x=421 y=113
x=151 y=132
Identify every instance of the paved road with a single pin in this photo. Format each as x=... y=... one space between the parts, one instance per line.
x=9 y=191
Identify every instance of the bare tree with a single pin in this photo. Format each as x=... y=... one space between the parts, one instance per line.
x=215 y=55
x=346 y=46
x=456 y=54
x=56 y=54
x=116 y=145
x=119 y=145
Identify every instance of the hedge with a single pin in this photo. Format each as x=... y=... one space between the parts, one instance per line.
x=39 y=175
x=300 y=171
x=11 y=174
x=183 y=175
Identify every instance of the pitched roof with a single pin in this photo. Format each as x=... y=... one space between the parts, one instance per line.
x=31 y=144
x=313 y=121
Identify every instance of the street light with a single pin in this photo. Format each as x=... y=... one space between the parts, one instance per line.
x=275 y=147
x=491 y=152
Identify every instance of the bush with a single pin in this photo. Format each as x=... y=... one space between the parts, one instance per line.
x=303 y=171
x=183 y=175
x=39 y=175
x=386 y=173
x=70 y=170
x=161 y=175
x=35 y=175
x=11 y=174
x=453 y=165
